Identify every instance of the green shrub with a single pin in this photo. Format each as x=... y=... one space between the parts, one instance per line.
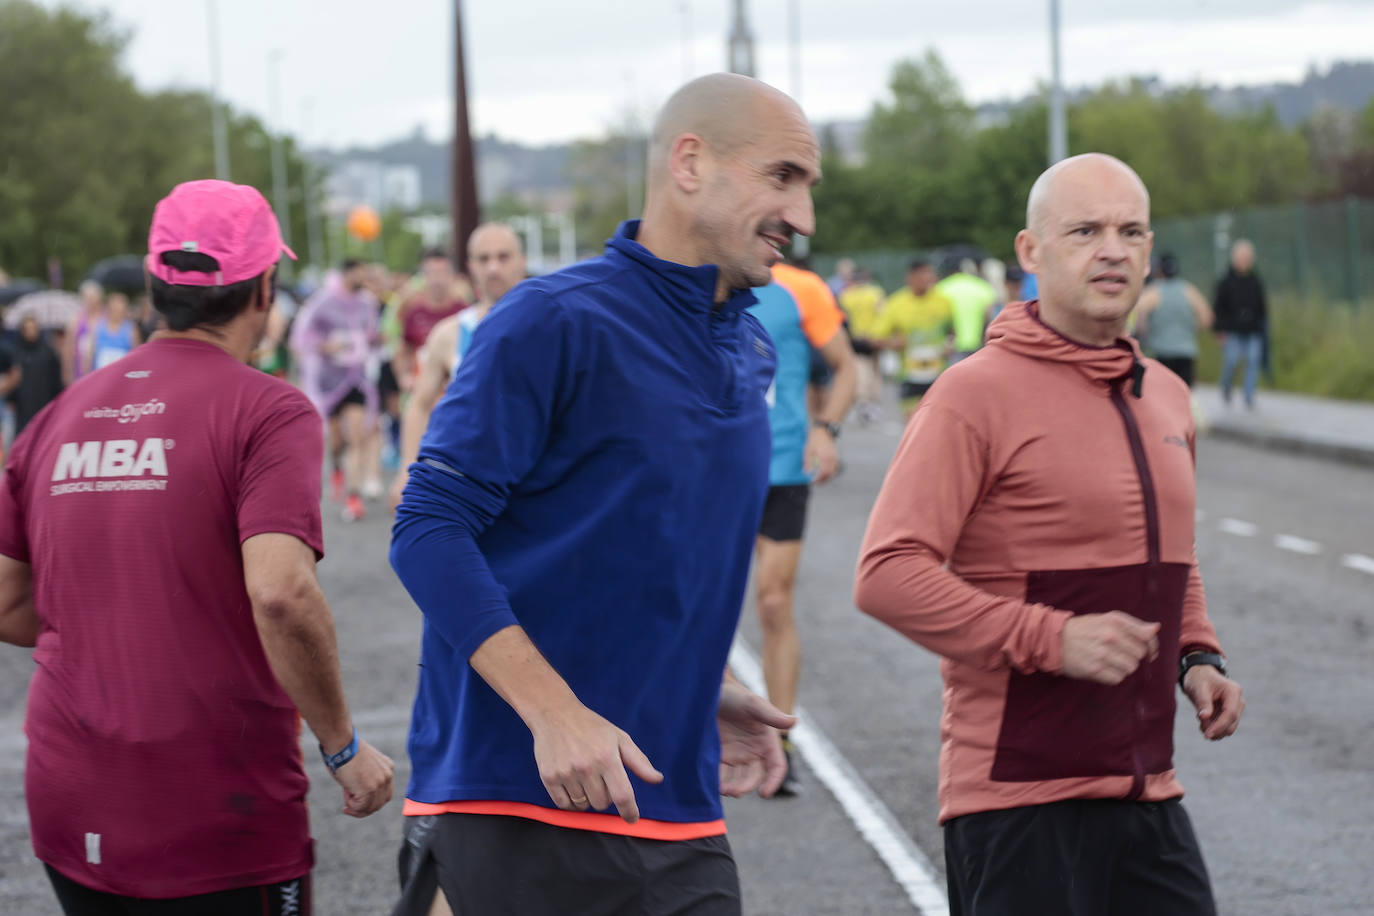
x=1318 y=348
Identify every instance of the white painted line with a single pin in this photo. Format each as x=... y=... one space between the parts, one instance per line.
x=1297 y=544
x=1238 y=528
x=876 y=823
x=1359 y=562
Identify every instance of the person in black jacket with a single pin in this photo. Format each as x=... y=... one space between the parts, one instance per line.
x=40 y=373
x=1241 y=318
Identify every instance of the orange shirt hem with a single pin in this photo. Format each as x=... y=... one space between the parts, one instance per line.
x=644 y=828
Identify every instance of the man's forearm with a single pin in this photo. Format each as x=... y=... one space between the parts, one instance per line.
x=18 y=619
x=515 y=668
x=840 y=397
x=298 y=639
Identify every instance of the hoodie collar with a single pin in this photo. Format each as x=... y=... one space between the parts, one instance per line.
x=692 y=288
x=1019 y=328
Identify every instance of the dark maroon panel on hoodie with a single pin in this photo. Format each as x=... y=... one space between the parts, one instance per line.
x=1056 y=727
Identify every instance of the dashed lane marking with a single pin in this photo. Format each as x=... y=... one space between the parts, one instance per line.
x=874 y=820
x=1238 y=528
x=1297 y=544
x=1358 y=562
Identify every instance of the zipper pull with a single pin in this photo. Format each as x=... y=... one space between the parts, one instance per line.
x=1137 y=377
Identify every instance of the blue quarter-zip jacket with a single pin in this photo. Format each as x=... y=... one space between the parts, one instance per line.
x=595 y=473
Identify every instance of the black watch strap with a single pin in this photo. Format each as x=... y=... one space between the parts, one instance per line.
x=1193 y=659
x=832 y=428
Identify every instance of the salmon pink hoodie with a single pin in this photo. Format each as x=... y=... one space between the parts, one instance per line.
x=1042 y=478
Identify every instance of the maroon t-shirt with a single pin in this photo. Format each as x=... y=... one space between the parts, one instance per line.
x=164 y=758
x=421 y=315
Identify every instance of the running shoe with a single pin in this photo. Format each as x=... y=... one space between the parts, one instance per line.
x=791 y=784
x=336 y=485
x=373 y=489
x=354 y=510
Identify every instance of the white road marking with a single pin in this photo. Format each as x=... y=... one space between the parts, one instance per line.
x=1297 y=544
x=876 y=823
x=1238 y=528
x=1358 y=562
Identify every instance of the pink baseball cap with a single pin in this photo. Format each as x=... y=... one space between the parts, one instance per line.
x=231 y=223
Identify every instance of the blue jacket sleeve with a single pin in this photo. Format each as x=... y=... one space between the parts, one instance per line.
x=485 y=435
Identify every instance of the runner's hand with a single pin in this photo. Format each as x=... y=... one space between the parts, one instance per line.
x=751 y=754
x=1218 y=700
x=583 y=760
x=820 y=459
x=366 y=781
x=1107 y=648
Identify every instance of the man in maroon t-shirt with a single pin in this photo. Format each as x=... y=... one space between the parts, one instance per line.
x=159 y=529
x=418 y=315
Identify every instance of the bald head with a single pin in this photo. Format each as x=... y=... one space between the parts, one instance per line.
x=496 y=260
x=1243 y=256
x=498 y=233
x=720 y=108
x=1089 y=168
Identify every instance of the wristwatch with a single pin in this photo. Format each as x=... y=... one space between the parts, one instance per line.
x=1193 y=659
x=832 y=428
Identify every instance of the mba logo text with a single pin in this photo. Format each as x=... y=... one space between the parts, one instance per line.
x=104 y=466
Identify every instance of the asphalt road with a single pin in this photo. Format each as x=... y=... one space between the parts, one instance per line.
x=1285 y=809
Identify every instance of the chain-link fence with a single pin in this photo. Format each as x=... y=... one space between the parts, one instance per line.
x=1309 y=252
x=1313 y=252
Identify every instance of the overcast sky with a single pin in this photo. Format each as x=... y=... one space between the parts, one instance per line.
x=364 y=71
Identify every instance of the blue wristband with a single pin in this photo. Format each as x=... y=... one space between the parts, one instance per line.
x=334 y=761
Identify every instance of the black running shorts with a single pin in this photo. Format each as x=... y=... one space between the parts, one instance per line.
x=354 y=396
x=290 y=898
x=494 y=865
x=1095 y=857
x=784 y=512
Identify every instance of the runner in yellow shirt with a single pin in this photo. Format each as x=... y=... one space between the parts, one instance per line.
x=917 y=321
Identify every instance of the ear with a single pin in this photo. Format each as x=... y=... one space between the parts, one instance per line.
x=265 y=295
x=687 y=162
x=1028 y=251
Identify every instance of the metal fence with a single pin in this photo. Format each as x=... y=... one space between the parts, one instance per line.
x=1312 y=252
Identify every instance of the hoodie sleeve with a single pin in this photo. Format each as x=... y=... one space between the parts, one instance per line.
x=940 y=473
x=486 y=434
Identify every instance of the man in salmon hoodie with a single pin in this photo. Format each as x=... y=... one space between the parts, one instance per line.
x=1036 y=531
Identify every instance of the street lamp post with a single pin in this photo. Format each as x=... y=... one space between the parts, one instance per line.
x=280 y=199
x=221 y=133
x=1059 y=132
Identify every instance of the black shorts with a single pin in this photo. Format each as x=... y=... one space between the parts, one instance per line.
x=354 y=396
x=386 y=381
x=819 y=373
x=1182 y=366
x=912 y=390
x=512 y=866
x=1077 y=858
x=784 y=512
x=289 y=898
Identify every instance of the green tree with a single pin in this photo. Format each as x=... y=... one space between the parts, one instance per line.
x=85 y=156
x=927 y=125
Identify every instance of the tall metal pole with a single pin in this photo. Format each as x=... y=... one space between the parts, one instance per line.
x=282 y=204
x=318 y=258
x=739 y=50
x=221 y=133
x=794 y=43
x=466 y=215
x=1059 y=131
x=686 y=7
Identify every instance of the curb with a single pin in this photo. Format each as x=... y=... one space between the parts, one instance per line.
x=1332 y=448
